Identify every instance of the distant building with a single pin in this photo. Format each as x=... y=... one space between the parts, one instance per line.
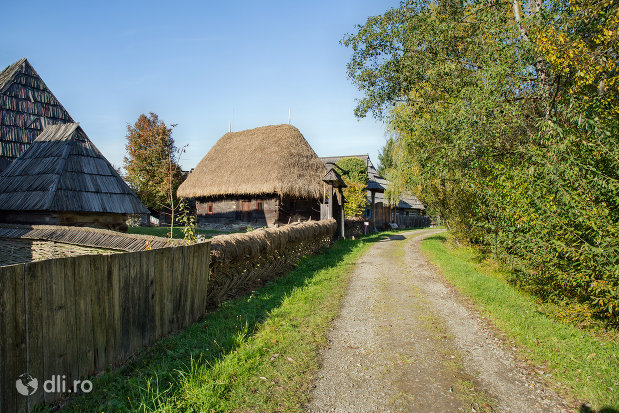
x=265 y=176
x=27 y=106
x=63 y=179
x=379 y=211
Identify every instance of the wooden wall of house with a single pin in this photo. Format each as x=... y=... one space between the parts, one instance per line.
x=382 y=215
x=257 y=211
x=116 y=222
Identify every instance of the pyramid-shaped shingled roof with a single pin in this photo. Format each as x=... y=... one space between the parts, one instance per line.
x=63 y=171
x=27 y=106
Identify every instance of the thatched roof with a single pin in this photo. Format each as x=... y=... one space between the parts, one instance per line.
x=63 y=171
x=27 y=106
x=267 y=160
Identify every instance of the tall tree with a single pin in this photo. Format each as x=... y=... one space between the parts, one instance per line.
x=151 y=164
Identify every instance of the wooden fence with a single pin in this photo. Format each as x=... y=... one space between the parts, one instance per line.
x=413 y=221
x=73 y=317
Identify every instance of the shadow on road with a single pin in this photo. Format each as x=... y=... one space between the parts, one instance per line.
x=587 y=409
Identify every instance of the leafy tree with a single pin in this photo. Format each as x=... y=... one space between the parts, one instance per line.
x=356 y=195
x=505 y=121
x=355 y=176
x=151 y=163
x=355 y=168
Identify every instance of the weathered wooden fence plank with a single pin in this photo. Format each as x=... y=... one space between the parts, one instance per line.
x=195 y=296
x=11 y=308
x=177 y=285
x=98 y=272
x=148 y=261
x=71 y=369
x=126 y=306
x=134 y=310
x=185 y=307
x=21 y=338
x=191 y=285
x=167 y=256
x=85 y=337
x=4 y=329
x=112 y=313
x=158 y=299
x=205 y=271
x=55 y=345
x=35 y=293
x=49 y=366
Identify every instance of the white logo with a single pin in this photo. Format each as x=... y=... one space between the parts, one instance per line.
x=26 y=384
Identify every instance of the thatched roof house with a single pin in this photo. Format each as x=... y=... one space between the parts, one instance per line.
x=63 y=179
x=266 y=175
x=27 y=106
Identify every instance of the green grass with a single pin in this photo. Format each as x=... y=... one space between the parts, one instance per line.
x=164 y=231
x=580 y=360
x=255 y=353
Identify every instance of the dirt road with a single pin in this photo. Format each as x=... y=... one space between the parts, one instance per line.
x=405 y=342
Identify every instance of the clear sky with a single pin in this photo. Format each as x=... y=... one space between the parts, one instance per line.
x=200 y=65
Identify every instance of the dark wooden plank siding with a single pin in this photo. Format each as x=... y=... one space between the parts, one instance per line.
x=256 y=211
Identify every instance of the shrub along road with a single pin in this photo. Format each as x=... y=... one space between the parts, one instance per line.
x=404 y=341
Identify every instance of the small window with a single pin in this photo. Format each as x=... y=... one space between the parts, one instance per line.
x=209 y=208
x=260 y=205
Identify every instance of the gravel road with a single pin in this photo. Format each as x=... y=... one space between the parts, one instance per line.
x=404 y=341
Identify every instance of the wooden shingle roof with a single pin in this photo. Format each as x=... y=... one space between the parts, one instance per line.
x=63 y=171
x=27 y=106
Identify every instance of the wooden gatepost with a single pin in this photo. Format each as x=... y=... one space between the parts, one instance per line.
x=335 y=207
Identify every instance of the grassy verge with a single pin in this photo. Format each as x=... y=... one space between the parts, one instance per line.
x=578 y=359
x=256 y=353
x=164 y=231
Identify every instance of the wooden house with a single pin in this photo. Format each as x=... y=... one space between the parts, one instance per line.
x=63 y=179
x=375 y=188
x=379 y=211
x=408 y=205
x=265 y=176
x=27 y=106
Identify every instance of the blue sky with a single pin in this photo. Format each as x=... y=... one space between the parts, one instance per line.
x=200 y=65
